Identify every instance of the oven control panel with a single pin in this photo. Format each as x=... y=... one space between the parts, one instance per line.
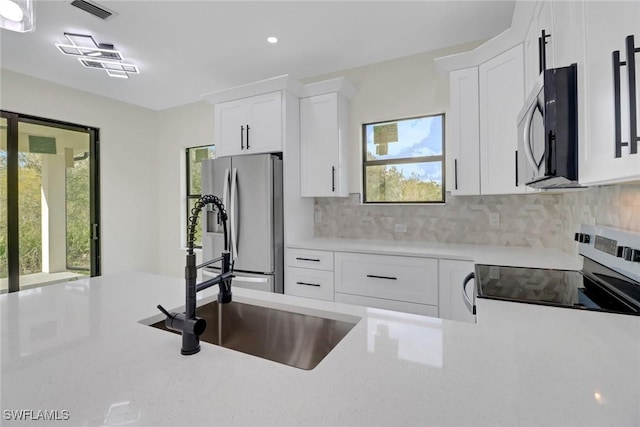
x=611 y=247
x=606 y=245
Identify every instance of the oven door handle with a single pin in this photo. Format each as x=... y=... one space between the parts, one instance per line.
x=470 y=305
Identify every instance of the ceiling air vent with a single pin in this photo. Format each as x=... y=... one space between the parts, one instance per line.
x=92 y=8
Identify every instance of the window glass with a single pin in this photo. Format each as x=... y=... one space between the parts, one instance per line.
x=195 y=156
x=404 y=160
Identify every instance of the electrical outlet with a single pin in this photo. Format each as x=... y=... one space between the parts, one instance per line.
x=400 y=228
x=494 y=219
x=317 y=216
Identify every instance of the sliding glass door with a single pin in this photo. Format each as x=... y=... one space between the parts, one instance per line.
x=49 y=228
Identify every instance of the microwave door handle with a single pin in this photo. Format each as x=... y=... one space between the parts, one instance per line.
x=527 y=136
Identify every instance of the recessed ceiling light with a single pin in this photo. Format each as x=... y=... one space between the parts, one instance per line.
x=272 y=39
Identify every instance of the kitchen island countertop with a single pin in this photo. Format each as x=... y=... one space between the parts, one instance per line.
x=79 y=347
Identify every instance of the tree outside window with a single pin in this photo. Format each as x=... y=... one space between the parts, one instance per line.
x=195 y=156
x=403 y=160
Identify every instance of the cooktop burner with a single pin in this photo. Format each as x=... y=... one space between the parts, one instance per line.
x=609 y=280
x=563 y=288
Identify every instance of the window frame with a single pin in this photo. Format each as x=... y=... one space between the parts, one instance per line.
x=188 y=195
x=403 y=160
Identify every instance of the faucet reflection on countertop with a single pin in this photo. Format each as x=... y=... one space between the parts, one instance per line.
x=187 y=323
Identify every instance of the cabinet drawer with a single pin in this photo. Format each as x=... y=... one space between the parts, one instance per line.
x=398 y=278
x=308 y=258
x=407 y=307
x=304 y=282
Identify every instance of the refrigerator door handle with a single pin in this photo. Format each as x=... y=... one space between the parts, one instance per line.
x=232 y=210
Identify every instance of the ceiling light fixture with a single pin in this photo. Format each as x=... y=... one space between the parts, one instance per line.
x=17 y=15
x=96 y=55
x=272 y=39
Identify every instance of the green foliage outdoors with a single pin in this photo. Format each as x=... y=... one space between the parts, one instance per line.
x=78 y=217
x=30 y=214
x=389 y=185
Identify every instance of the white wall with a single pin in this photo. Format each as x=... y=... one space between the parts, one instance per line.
x=128 y=161
x=178 y=128
x=405 y=87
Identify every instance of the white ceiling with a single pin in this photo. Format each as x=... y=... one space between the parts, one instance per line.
x=185 y=49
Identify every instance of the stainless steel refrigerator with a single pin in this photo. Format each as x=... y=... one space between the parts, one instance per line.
x=250 y=187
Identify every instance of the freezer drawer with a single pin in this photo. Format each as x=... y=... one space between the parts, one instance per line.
x=257 y=282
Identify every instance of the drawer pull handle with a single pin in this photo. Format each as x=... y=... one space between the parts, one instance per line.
x=308 y=284
x=307 y=259
x=382 y=277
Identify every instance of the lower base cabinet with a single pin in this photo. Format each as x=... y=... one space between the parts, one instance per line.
x=308 y=283
x=386 y=304
x=390 y=282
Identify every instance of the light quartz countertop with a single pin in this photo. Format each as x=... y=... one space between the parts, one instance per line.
x=480 y=254
x=80 y=347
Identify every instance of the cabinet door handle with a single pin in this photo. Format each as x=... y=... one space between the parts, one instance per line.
x=542 y=51
x=455 y=174
x=242 y=137
x=307 y=259
x=517 y=168
x=247 y=137
x=374 y=276
x=317 y=285
x=333 y=178
x=631 y=72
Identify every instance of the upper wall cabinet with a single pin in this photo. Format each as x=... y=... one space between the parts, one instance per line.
x=463 y=141
x=537 y=56
x=324 y=123
x=501 y=89
x=608 y=153
x=249 y=126
x=323 y=147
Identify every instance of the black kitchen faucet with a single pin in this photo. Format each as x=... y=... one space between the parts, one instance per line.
x=187 y=323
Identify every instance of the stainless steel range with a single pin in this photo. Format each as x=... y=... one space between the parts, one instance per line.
x=609 y=280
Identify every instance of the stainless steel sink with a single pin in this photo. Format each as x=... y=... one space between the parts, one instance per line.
x=294 y=339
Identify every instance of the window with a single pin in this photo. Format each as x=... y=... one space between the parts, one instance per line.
x=195 y=156
x=403 y=160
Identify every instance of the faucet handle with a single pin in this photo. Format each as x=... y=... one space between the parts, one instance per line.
x=177 y=322
x=165 y=312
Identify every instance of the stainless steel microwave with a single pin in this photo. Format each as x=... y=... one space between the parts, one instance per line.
x=548 y=131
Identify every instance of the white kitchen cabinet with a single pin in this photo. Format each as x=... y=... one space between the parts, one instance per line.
x=386 y=304
x=249 y=125
x=607 y=24
x=387 y=278
x=450 y=292
x=463 y=141
x=531 y=57
x=567 y=39
x=501 y=88
x=309 y=274
x=309 y=283
x=324 y=121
